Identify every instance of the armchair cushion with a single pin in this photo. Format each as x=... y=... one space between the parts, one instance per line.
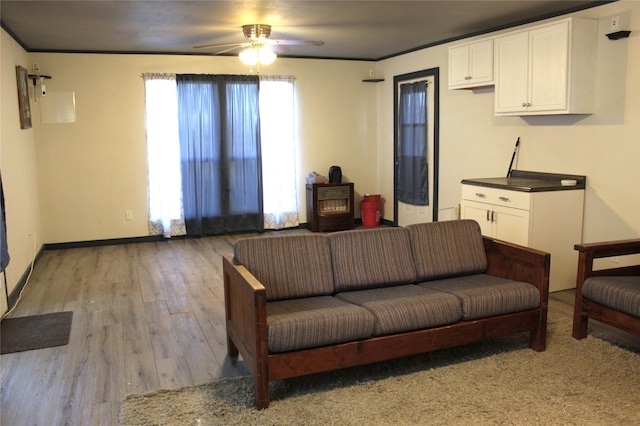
x=621 y=293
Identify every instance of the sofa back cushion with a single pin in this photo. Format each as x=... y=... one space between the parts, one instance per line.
x=371 y=258
x=288 y=266
x=447 y=249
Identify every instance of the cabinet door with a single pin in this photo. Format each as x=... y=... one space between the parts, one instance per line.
x=548 y=68
x=512 y=73
x=471 y=65
x=481 y=62
x=458 y=66
x=511 y=225
x=481 y=213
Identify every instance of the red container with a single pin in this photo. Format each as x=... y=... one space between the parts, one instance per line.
x=370 y=211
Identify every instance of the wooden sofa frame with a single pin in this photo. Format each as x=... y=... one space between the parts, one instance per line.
x=584 y=308
x=246 y=324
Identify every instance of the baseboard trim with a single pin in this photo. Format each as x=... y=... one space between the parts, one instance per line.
x=107 y=242
x=15 y=293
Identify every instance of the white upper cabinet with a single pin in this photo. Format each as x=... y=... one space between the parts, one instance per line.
x=548 y=69
x=471 y=65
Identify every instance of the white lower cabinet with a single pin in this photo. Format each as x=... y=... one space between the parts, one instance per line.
x=549 y=220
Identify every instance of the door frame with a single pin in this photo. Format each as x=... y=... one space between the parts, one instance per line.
x=433 y=175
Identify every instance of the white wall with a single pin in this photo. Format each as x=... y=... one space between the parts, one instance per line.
x=18 y=167
x=73 y=182
x=474 y=143
x=95 y=169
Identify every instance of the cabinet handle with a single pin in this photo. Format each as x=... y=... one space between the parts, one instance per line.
x=493 y=216
x=488 y=215
x=524 y=104
x=505 y=199
x=480 y=195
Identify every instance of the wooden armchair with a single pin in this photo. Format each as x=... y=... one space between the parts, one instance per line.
x=597 y=305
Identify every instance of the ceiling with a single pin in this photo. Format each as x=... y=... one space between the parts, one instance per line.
x=363 y=30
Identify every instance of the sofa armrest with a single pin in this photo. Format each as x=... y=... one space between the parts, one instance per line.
x=245 y=303
x=588 y=252
x=519 y=263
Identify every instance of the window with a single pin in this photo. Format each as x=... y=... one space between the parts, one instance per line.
x=276 y=103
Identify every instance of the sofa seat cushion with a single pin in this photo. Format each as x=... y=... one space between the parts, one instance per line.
x=371 y=258
x=289 y=266
x=619 y=293
x=404 y=308
x=447 y=249
x=315 y=321
x=484 y=295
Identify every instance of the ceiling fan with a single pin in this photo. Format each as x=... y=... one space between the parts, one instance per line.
x=258 y=44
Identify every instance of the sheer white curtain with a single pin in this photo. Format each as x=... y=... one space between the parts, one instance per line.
x=166 y=215
x=280 y=192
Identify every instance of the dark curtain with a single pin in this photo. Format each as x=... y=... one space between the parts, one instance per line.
x=4 y=250
x=220 y=153
x=412 y=185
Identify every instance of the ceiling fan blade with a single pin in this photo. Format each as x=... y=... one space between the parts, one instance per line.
x=205 y=46
x=300 y=42
x=228 y=49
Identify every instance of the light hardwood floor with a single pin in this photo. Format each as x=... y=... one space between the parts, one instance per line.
x=146 y=316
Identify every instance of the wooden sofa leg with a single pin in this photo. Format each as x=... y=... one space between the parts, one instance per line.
x=232 y=349
x=580 y=316
x=538 y=339
x=580 y=323
x=261 y=391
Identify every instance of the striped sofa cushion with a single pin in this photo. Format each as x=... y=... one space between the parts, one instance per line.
x=406 y=307
x=447 y=249
x=288 y=266
x=315 y=321
x=484 y=295
x=371 y=258
x=619 y=293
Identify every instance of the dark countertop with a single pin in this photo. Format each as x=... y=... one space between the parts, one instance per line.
x=525 y=181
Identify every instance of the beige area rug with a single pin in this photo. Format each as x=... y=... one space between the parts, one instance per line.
x=500 y=382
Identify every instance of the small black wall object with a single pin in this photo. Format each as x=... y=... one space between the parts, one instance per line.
x=335 y=174
x=618 y=35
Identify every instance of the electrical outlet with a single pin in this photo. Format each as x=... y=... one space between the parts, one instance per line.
x=615 y=23
x=372 y=72
x=128 y=214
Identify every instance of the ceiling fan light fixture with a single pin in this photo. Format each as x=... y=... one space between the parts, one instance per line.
x=249 y=56
x=266 y=55
x=254 y=54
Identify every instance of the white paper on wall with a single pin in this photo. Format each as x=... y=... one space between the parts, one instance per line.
x=58 y=107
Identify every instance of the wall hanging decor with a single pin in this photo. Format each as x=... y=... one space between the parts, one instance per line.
x=23 y=97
